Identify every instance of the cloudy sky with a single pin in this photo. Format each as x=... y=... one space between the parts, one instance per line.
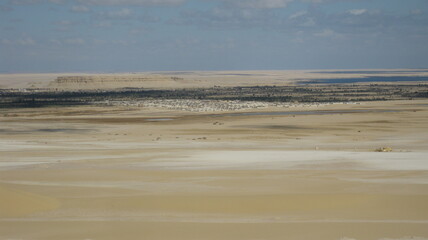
x=152 y=35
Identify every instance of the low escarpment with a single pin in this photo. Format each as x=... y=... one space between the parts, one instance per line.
x=114 y=82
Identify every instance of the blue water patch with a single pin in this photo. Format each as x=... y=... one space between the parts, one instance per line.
x=368 y=79
x=373 y=72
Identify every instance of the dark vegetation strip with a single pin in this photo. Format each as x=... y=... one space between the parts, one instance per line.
x=301 y=93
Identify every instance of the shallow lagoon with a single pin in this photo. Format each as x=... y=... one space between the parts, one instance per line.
x=368 y=79
x=374 y=72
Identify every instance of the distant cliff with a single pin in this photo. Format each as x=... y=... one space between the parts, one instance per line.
x=114 y=81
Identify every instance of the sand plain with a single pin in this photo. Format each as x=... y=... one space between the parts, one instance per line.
x=128 y=172
x=191 y=79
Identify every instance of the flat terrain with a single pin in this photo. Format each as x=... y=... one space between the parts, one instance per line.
x=192 y=79
x=260 y=171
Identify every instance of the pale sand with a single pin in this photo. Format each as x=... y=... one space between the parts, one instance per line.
x=188 y=79
x=112 y=173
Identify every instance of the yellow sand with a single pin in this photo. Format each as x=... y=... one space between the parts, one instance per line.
x=15 y=203
x=108 y=173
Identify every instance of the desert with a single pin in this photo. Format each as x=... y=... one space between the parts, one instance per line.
x=214 y=155
x=213 y=120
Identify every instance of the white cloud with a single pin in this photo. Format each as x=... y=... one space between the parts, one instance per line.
x=259 y=4
x=103 y=24
x=328 y=33
x=98 y=41
x=310 y=22
x=67 y=41
x=139 y=30
x=79 y=8
x=64 y=25
x=357 y=12
x=25 y=2
x=297 y=14
x=26 y=41
x=55 y=42
x=5 y=41
x=123 y=42
x=314 y=1
x=74 y=41
x=416 y=12
x=132 y=2
x=65 y=22
x=123 y=13
x=104 y=2
x=5 y=9
x=325 y=33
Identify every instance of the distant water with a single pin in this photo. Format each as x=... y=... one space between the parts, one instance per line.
x=368 y=79
x=375 y=72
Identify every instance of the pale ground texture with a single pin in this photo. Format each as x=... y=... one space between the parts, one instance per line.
x=136 y=173
x=190 y=79
x=120 y=172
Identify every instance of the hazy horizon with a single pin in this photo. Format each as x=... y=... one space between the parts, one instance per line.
x=219 y=70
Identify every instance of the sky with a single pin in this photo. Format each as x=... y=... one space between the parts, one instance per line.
x=187 y=35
